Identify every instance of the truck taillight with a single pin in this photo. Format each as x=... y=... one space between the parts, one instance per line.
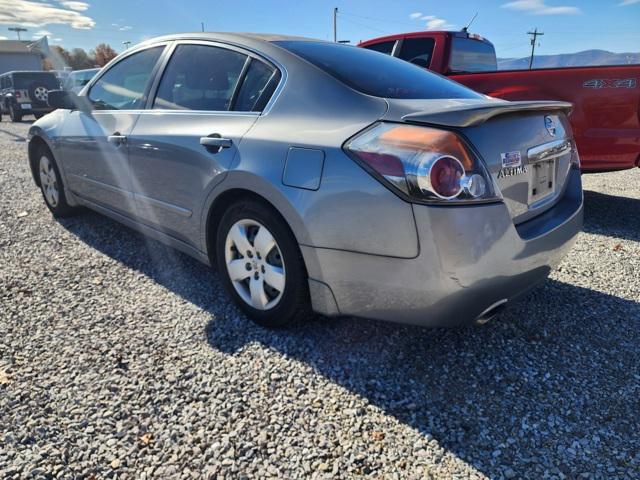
x=423 y=163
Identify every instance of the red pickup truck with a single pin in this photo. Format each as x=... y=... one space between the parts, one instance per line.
x=606 y=100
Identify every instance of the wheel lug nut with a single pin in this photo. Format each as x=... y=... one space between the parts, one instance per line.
x=262 y=268
x=249 y=254
x=256 y=275
x=248 y=266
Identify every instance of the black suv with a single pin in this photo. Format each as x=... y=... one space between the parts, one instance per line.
x=24 y=93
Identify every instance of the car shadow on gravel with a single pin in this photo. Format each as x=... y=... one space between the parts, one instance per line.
x=612 y=215
x=542 y=388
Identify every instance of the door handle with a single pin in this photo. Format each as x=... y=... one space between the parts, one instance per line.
x=216 y=142
x=117 y=139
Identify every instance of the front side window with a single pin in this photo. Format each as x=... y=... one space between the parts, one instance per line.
x=382 y=47
x=417 y=51
x=199 y=77
x=123 y=86
x=374 y=74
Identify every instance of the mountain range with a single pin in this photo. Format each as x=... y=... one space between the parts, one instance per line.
x=585 y=58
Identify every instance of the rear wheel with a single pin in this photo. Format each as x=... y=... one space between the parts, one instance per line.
x=51 y=185
x=14 y=114
x=261 y=265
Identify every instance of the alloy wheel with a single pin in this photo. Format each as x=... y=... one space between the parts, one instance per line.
x=49 y=181
x=255 y=264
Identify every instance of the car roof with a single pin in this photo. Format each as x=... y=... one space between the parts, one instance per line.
x=27 y=71
x=229 y=36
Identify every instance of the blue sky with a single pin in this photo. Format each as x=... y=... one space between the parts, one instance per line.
x=569 y=25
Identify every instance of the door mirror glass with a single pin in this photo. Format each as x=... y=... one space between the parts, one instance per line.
x=68 y=101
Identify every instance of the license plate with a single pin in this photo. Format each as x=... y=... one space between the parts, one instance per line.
x=543 y=180
x=25 y=106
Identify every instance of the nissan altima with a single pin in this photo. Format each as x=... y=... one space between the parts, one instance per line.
x=319 y=177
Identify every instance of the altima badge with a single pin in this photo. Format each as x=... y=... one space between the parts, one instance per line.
x=512 y=171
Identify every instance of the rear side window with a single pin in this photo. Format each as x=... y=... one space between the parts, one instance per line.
x=374 y=74
x=123 y=86
x=469 y=55
x=417 y=51
x=199 y=77
x=382 y=47
x=257 y=87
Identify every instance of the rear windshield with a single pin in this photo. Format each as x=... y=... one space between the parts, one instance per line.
x=469 y=55
x=24 y=80
x=375 y=73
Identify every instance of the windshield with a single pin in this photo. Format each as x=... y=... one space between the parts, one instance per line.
x=469 y=55
x=24 y=80
x=375 y=73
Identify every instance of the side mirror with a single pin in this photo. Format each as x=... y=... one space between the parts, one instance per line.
x=68 y=101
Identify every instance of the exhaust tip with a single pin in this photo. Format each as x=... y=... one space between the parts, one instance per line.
x=491 y=312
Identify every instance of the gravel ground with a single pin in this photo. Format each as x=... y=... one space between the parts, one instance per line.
x=120 y=358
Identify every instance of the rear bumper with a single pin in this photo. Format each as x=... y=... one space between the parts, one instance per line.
x=470 y=259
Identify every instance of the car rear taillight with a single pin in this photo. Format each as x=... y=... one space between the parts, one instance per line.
x=17 y=94
x=423 y=163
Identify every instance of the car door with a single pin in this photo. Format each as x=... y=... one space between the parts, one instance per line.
x=93 y=143
x=183 y=144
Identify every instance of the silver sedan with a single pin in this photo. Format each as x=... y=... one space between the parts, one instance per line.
x=319 y=177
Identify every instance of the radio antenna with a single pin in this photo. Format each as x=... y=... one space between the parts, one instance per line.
x=466 y=29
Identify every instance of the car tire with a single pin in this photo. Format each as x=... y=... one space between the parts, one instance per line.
x=39 y=115
x=51 y=185
x=261 y=266
x=15 y=116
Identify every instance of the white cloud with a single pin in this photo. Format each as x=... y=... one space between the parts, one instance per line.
x=628 y=2
x=2 y=37
x=77 y=6
x=539 y=7
x=42 y=33
x=124 y=28
x=57 y=39
x=35 y=14
x=432 y=22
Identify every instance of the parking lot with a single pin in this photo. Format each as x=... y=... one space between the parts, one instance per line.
x=122 y=358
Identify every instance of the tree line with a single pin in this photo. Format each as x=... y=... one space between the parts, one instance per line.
x=78 y=58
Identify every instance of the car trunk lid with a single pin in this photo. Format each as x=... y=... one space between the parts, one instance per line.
x=526 y=146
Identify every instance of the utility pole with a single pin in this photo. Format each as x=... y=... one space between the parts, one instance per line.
x=126 y=44
x=335 y=24
x=534 y=35
x=17 y=30
x=202 y=25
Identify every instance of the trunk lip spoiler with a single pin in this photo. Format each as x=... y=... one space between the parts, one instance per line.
x=472 y=115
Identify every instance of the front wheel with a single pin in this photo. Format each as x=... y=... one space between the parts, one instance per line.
x=261 y=265
x=51 y=186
